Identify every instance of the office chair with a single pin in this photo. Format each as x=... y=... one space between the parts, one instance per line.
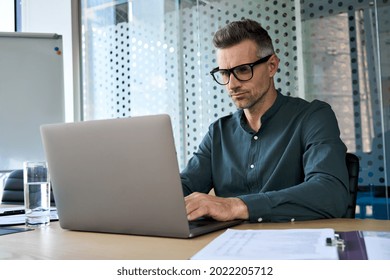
x=352 y=162
x=13 y=188
x=13 y=192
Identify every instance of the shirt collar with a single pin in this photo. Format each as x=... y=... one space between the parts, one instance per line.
x=279 y=101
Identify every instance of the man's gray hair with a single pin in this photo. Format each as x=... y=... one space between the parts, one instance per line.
x=238 y=31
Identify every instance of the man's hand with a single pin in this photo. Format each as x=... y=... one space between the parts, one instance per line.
x=218 y=208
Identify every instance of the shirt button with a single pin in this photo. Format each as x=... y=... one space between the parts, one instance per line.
x=260 y=220
x=256 y=137
x=292 y=220
x=252 y=166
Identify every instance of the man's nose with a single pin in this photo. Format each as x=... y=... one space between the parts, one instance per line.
x=233 y=82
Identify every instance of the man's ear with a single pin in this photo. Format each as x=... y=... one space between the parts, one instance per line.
x=273 y=65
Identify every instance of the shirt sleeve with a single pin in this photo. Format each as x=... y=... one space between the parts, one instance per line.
x=197 y=177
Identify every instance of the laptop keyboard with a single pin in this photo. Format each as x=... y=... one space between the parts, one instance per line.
x=201 y=222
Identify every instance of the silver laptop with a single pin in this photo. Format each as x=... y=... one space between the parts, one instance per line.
x=119 y=176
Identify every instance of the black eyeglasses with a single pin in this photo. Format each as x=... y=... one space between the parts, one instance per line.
x=243 y=72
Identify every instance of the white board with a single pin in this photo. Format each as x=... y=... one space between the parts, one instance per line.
x=31 y=94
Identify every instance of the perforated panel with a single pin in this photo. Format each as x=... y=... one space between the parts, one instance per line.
x=135 y=72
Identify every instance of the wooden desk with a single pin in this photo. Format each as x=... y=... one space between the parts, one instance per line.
x=58 y=244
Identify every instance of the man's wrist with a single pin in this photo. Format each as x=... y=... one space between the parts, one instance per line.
x=240 y=210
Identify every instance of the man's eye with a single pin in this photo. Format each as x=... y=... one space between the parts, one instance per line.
x=242 y=69
x=224 y=73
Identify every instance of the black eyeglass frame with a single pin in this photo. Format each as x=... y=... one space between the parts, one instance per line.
x=231 y=70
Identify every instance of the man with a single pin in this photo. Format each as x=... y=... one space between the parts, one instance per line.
x=277 y=158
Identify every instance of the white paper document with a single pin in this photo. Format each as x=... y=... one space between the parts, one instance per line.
x=377 y=245
x=284 y=244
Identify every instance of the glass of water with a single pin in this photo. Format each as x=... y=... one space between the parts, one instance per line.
x=36 y=193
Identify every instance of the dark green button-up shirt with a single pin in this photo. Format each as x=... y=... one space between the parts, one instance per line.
x=293 y=168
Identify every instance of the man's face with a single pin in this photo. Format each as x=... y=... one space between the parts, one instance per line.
x=247 y=94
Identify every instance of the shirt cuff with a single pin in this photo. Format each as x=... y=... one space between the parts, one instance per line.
x=259 y=206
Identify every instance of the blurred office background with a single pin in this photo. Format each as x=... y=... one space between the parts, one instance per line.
x=137 y=57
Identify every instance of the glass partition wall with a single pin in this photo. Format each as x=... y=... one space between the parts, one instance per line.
x=147 y=57
x=383 y=54
x=343 y=66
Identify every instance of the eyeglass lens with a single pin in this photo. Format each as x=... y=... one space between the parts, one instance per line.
x=242 y=73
